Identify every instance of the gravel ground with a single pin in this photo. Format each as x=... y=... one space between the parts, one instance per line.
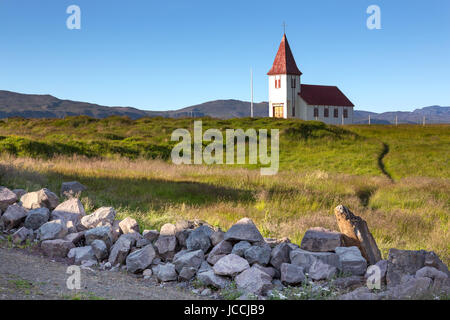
x=25 y=275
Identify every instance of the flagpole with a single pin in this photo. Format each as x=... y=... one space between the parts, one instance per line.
x=251 y=86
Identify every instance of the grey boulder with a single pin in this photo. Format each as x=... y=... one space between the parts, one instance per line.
x=305 y=258
x=199 y=239
x=209 y=278
x=80 y=254
x=100 y=249
x=140 y=259
x=55 y=229
x=221 y=249
x=103 y=216
x=13 y=216
x=254 y=281
x=240 y=247
x=7 y=198
x=72 y=189
x=321 y=240
x=244 y=230
x=292 y=274
x=351 y=260
x=99 y=233
x=71 y=212
x=36 y=218
x=258 y=254
x=190 y=259
x=230 y=265
x=39 y=199
x=56 y=248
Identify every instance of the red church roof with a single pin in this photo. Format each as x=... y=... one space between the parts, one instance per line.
x=284 y=62
x=324 y=96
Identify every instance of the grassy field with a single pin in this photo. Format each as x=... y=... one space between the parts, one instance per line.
x=397 y=178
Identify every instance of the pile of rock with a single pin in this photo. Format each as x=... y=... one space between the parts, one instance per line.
x=194 y=250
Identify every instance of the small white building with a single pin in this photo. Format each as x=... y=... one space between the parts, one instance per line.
x=289 y=98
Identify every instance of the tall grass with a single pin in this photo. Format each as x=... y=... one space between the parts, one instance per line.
x=410 y=214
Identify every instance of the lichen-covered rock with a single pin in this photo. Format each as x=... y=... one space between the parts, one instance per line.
x=39 y=199
x=244 y=230
x=13 y=216
x=36 y=218
x=355 y=232
x=7 y=198
x=230 y=265
x=57 y=248
x=103 y=216
x=321 y=240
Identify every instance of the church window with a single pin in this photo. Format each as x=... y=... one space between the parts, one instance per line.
x=345 y=113
x=326 y=112
x=336 y=113
x=316 y=112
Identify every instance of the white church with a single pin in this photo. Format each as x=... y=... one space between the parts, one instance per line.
x=289 y=98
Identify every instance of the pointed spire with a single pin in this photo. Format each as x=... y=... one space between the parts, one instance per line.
x=284 y=62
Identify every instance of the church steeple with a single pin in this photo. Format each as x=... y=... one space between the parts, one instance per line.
x=284 y=62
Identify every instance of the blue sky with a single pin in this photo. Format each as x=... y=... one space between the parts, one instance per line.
x=161 y=55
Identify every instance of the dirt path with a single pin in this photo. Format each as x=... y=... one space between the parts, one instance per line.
x=381 y=165
x=28 y=276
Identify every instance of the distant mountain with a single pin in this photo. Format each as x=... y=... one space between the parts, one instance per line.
x=433 y=114
x=14 y=104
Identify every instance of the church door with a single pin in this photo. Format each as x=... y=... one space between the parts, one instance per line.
x=278 y=111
